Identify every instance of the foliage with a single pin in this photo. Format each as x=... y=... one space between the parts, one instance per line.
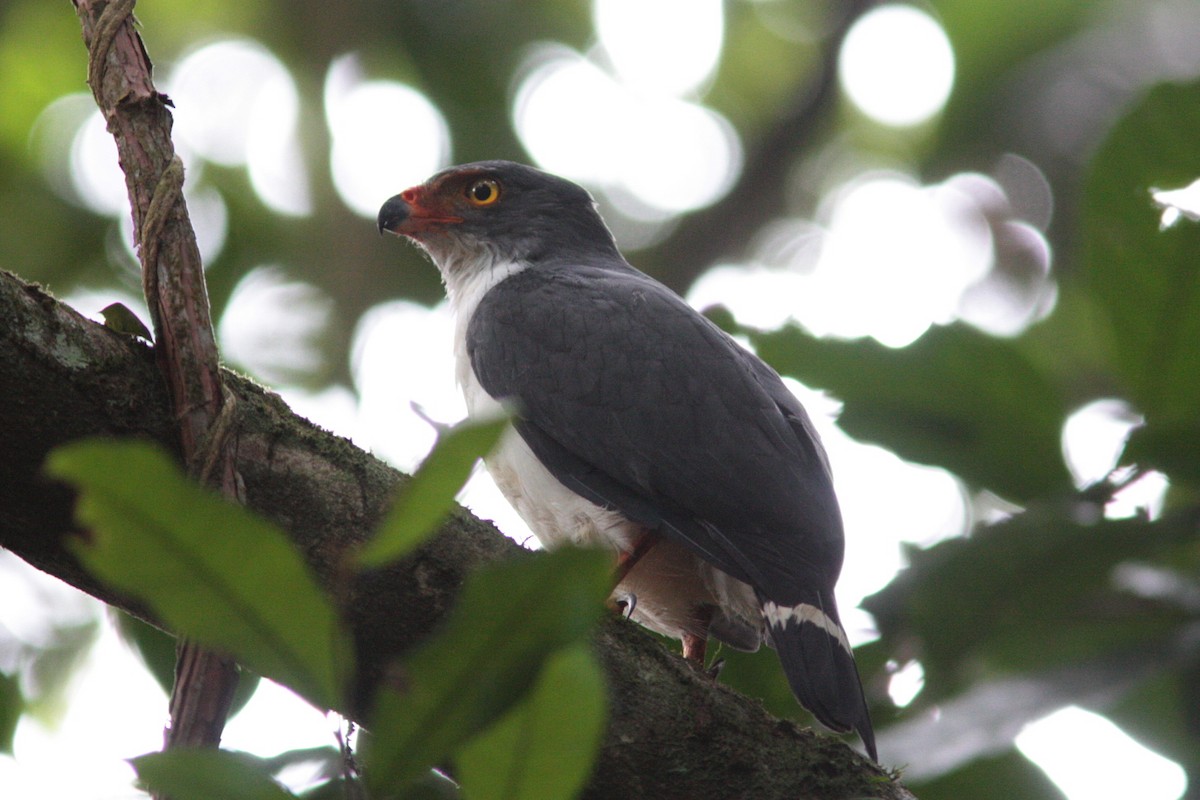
x=209 y=569
x=1054 y=599
x=216 y=573
x=424 y=503
x=1042 y=604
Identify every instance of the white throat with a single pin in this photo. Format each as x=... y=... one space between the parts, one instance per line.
x=467 y=281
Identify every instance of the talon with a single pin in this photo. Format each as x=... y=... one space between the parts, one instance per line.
x=625 y=605
x=714 y=669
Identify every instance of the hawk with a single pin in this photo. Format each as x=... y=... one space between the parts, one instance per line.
x=640 y=426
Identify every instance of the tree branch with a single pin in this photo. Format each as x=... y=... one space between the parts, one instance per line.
x=672 y=733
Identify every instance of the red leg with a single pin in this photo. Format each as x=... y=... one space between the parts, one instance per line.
x=627 y=561
x=695 y=642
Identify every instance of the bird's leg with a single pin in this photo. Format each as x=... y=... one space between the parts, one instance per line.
x=626 y=561
x=695 y=642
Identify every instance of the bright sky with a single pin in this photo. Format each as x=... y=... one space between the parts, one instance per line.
x=886 y=257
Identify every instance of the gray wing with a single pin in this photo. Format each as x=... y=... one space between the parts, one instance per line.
x=640 y=404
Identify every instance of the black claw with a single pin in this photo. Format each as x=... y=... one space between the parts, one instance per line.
x=626 y=605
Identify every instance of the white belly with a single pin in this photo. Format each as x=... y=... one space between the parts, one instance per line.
x=554 y=513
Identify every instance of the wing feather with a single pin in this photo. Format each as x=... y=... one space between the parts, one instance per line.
x=639 y=403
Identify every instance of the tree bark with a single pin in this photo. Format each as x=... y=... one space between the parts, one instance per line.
x=672 y=734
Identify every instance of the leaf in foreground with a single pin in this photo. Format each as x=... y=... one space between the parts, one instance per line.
x=546 y=746
x=157 y=650
x=510 y=618
x=206 y=775
x=426 y=499
x=209 y=569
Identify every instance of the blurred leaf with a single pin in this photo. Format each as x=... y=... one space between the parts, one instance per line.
x=157 y=650
x=993 y=42
x=1170 y=447
x=1146 y=279
x=53 y=666
x=989 y=37
x=955 y=398
x=544 y=747
x=207 y=775
x=1003 y=777
x=510 y=618
x=426 y=499
x=983 y=720
x=12 y=705
x=212 y=570
x=1030 y=593
x=40 y=56
x=154 y=647
x=1162 y=715
x=329 y=757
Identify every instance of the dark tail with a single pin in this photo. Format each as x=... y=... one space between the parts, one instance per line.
x=819 y=664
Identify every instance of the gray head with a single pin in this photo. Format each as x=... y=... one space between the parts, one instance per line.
x=493 y=211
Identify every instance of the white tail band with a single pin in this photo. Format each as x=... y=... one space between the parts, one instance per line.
x=779 y=616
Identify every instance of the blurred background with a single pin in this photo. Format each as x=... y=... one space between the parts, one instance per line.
x=937 y=220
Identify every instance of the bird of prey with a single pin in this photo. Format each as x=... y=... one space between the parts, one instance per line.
x=640 y=426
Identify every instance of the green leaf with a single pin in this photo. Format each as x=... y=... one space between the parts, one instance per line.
x=955 y=398
x=210 y=569
x=1161 y=714
x=1035 y=592
x=157 y=650
x=991 y=712
x=546 y=746
x=1145 y=279
x=426 y=499
x=510 y=618
x=53 y=664
x=1170 y=447
x=119 y=318
x=12 y=705
x=207 y=775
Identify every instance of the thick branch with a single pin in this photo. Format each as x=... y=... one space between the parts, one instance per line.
x=673 y=734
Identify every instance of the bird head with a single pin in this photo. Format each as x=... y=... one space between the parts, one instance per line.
x=475 y=215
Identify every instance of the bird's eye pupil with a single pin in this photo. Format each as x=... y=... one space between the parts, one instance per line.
x=483 y=193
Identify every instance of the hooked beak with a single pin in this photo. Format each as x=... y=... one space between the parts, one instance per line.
x=411 y=213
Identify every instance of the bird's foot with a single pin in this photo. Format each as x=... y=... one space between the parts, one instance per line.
x=624 y=605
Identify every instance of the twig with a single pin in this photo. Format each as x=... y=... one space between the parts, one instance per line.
x=120 y=76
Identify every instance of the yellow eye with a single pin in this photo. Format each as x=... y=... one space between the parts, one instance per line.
x=484 y=192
